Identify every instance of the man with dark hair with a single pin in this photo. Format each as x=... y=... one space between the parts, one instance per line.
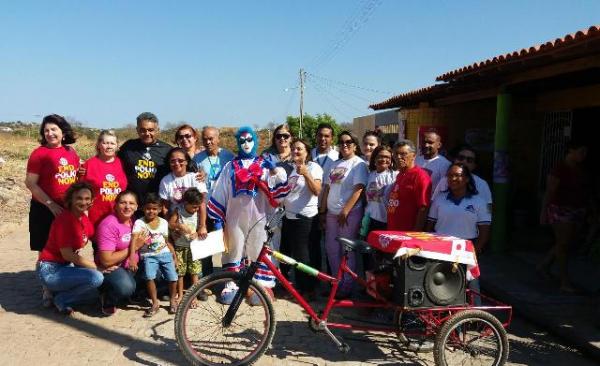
x=430 y=159
x=144 y=158
x=324 y=153
x=466 y=154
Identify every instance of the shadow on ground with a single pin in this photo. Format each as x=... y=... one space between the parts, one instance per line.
x=20 y=293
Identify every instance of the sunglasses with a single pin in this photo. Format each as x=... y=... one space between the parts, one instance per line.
x=468 y=159
x=345 y=142
x=177 y=161
x=243 y=140
x=284 y=136
x=186 y=136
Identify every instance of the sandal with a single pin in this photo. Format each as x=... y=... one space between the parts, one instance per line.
x=195 y=304
x=173 y=307
x=150 y=312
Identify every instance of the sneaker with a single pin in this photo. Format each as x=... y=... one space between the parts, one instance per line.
x=254 y=299
x=228 y=293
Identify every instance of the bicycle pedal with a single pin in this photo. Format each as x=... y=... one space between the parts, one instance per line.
x=344 y=348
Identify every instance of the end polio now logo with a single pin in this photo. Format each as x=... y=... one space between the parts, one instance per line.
x=145 y=169
x=110 y=188
x=67 y=174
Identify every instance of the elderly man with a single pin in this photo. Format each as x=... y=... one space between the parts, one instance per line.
x=430 y=160
x=410 y=195
x=466 y=155
x=211 y=161
x=144 y=158
x=213 y=158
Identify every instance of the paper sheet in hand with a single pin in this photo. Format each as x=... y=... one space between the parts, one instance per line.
x=213 y=244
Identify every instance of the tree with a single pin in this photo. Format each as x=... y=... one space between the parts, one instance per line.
x=309 y=126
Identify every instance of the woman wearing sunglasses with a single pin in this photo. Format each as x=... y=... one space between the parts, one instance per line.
x=280 y=150
x=182 y=176
x=341 y=203
x=186 y=138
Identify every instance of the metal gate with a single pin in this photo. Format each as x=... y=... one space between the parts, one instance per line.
x=555 y=136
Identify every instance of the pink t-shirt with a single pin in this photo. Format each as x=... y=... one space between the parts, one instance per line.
x=108 y=180
x=113 y=236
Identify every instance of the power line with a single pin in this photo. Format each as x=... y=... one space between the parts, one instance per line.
x=349 y=29
x=311 y=75
x=363 y=99
x=332 y=104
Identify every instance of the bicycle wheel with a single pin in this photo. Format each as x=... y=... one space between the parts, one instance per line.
x=471 y=337
x=411 y=332
x=203 y=338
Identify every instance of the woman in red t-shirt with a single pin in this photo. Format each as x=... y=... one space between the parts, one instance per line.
x=564 y=207
x=51 y=169
x=72 y=278
x=105 y=174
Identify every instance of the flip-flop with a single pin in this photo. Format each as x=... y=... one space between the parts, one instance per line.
x=150 y=312
x=173 y=308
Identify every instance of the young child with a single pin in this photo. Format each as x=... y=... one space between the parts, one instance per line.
x=186 y=223
x=157 y=253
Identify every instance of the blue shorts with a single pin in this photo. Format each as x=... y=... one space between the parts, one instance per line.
x=163 y=262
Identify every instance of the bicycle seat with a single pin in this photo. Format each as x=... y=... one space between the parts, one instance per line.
x=355 y=245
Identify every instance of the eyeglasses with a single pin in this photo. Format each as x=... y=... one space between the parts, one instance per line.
x=243 y=140
x=186 y=136
x=284 y=136
x=177 y=161
x=455 y=176
x=345 y=142
x=468 y=159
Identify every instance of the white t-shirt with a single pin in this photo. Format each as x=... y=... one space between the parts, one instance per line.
x=459 y=219
x=323 y=158
x=172 y=188
x=377 y=185
x=187 y=219
x=483 y=189
x=436 y=167
x=342 y=177
x=157 y=238
x=300 y=199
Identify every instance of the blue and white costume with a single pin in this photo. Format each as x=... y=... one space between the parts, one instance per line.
x=246 y=191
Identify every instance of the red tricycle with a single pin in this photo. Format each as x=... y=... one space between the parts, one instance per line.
x=438 y=314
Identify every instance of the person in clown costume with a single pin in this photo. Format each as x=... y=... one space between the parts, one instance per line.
x=247 y=190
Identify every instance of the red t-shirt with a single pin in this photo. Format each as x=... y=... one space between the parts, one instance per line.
x=108 y=180
x=67 y=231
x=411 y=191
x=57 y=169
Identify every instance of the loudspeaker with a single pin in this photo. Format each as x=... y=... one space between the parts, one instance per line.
x=421 y=282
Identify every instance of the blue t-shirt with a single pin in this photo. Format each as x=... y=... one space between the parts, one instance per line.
x=212 y=165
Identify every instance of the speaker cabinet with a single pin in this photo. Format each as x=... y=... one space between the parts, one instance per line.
x=421 y=282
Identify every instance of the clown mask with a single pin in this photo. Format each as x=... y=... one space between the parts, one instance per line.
x=246 y=143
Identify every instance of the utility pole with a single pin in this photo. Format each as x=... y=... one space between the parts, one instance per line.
x=302 y=75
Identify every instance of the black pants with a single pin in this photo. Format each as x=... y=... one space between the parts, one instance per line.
x=300 y=240
x=368 y=261
x=40 y=220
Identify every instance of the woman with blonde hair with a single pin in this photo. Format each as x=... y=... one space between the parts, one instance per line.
x=104 y=172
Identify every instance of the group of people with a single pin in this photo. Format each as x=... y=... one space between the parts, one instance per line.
x=142 y=204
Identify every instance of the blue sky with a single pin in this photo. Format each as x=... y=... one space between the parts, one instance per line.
x=230 y=62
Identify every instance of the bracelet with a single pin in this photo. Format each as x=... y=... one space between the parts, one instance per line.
x=48 y=202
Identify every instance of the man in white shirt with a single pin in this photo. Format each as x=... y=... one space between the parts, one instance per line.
x=430 y=159
x=466 y=155
x=324 y=154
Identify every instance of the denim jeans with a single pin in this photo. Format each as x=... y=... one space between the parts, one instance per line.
x=151 y=264
x=119 y=285
x=70 y=285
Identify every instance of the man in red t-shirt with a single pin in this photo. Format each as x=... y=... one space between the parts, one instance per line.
x=411 y=193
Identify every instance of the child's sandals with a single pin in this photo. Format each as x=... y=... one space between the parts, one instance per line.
x=151 y=311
